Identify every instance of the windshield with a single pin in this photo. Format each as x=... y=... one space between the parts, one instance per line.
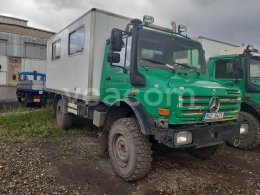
x=255 y=68
x=163 y=52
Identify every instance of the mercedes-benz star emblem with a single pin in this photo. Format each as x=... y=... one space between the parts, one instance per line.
x=214 y=104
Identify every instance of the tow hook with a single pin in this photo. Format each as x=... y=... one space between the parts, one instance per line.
x=236 y=142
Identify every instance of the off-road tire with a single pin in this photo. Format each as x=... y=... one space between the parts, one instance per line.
x=132 y=160
x=63 y=118
x=204 y=153
x=253 y=137
x=26 y=100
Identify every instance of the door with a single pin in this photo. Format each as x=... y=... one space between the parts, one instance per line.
x=3 y=69
x=116 y=83
x=14 y=67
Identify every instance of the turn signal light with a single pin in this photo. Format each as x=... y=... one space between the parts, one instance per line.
x=164 y=112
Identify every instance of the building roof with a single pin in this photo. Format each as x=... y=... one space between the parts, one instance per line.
x=13 y=18
x=25 y=30
x=19 y=26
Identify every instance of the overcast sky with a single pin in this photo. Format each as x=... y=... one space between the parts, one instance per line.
x=233 y=21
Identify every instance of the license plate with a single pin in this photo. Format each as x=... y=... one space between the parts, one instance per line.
x=36 y=100
x=213 y=116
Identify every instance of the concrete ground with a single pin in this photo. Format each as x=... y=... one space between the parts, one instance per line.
x=7 y=94
x=8 y=98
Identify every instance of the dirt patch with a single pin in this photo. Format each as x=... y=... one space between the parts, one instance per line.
x=71 y=165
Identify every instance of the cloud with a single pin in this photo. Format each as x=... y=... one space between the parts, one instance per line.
x=233 y=21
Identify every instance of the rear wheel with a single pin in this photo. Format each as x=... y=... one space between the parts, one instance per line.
x=26 y=100
x=129 y=150
x=63 y=118
x=204 y=153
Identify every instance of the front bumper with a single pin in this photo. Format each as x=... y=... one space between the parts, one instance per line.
x=202 y=136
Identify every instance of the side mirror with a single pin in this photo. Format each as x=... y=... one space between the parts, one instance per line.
x=113 y=58
x=116 y=40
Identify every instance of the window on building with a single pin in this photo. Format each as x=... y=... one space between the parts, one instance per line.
x=76 y=41
x=56 y=50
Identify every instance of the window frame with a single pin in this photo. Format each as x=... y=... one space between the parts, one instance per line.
x=52 y=53
x=69 y=41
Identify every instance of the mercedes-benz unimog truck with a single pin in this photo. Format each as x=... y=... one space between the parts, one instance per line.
x=139 y=82
x=240 y=67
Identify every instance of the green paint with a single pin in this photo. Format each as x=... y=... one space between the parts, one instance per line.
x=172 y=88
x=240 y=83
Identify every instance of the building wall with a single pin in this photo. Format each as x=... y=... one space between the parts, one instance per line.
x=21 y=49
x=30 y=65
x=23 y=46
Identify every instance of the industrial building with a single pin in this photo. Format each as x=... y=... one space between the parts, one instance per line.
x=22 y=48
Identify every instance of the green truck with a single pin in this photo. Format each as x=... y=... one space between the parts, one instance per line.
x=240 y=67
x=139 y=82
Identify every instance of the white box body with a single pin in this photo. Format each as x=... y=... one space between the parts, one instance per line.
x=74 y=75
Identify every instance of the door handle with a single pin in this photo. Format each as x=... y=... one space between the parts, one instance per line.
x=108 y=78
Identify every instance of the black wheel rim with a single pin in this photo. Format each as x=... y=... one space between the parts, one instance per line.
x=120 y=150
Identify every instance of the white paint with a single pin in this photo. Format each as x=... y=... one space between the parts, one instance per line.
x=2 y=78
x=80 y=72
x=213 y=47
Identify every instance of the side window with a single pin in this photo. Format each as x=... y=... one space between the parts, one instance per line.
x=76 y=41
x=125 y=54
x=56 y=50
x=225 y=69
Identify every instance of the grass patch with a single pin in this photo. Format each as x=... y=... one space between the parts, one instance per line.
x=24 y=123
x=28 y=123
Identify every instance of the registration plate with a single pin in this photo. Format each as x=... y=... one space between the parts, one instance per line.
x=213 y=116
x=36 y=100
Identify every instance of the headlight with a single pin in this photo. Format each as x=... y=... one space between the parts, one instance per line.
x=183 y=138
x=244 y=129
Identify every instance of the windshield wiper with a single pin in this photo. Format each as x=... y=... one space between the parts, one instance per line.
x=187 y=66
x=162 y=63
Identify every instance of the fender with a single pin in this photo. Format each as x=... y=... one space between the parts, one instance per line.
x=143 y=117
x=253 y=106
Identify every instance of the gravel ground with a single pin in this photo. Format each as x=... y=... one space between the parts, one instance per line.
x=72 y=165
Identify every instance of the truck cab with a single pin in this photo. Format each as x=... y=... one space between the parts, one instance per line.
x=31 y=88
x=240 y=67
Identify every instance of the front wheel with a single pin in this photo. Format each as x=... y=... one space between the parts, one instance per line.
x=204 y=153
x=251 y=139
x=129 y=150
